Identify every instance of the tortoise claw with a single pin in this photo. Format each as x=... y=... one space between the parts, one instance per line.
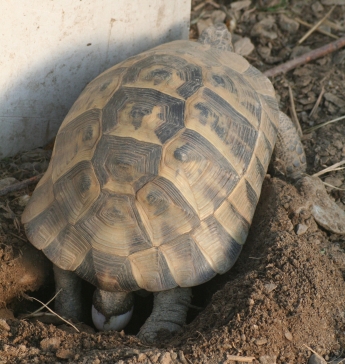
x=325 y=211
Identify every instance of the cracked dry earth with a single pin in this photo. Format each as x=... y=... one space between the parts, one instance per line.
x=285 y=296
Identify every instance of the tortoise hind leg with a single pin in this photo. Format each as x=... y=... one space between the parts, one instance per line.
x=168 y=315
x=289 y=154
x=68 y=301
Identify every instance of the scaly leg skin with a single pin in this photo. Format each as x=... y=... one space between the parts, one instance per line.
x=112 y=310
x=289 y=152
x=168 y=315
x=68 y=301
x=289 y=156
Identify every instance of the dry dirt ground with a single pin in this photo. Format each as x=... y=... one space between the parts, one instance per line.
x=285 y=297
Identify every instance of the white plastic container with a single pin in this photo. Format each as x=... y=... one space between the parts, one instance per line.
x=50 y=49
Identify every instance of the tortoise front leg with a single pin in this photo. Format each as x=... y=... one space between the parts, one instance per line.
x=68 y=301
x=168 y=315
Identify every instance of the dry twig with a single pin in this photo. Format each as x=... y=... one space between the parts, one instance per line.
x=240 y=358
x=313 y=351
x=41 y=308
x=49 y=309
x=317 y=103
x=313 y=128
x=294 y=114
x=318 y=29
x=20 y=185
x=329 y=169
x=307 y=57
x=311 y=30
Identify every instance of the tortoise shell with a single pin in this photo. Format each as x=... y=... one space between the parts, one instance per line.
x=157 y=170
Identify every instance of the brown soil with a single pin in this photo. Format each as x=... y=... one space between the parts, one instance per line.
x=284 y=298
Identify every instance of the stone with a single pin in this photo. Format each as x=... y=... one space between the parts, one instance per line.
x=334 y=181
x=338 y=144
x=300 y=229
x=269 y=287
x=317 y=7
x=244 y=46
x=267 y=359
x=261 y=341
x=287 y=24
x=316 y=359
x=264 y=28
x=50 y=344
x=288 y=335
x=239 y=5
x=334 y=99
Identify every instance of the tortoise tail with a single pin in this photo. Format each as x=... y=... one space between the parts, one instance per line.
x=217 y=36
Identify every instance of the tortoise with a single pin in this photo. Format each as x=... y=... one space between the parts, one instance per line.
x=155 y=176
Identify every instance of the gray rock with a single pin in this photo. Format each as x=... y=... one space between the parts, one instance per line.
x=316 y=359
x=334 y=99
x=334 y=181
x=288 y=25
x=317 y=7
x=264 y=28
x=300 y=229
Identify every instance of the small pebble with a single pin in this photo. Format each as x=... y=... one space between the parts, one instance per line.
x=267 y=359
x=334 y=99
x=287 y=24
x=269 y=287
x=50 y=344
x=288 y=335
x=260 y=342
x=334 y=181
x=317 y=7
x=4 y=325
x=244 y=46
x=263 y=28
x=300 y=229
x=338 y=144
x=316 y=359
